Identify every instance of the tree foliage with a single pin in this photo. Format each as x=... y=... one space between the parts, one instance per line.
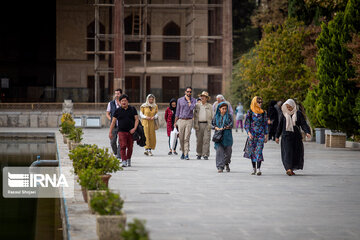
x=330 y=104
x=354 y=48
x=270 y=11
x=313 y=12
x=275 y=68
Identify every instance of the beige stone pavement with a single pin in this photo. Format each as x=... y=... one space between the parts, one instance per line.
x=189 y=200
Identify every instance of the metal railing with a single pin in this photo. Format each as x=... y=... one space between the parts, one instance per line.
x=56 y=107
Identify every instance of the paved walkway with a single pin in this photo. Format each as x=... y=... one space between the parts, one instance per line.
x=189 y=200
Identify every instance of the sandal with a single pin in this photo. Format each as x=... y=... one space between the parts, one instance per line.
x=288 y=172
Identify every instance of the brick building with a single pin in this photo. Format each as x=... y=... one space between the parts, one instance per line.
x=168 y=45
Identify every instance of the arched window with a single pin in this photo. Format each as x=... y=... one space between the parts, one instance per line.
x=91 y=40
x=131 y=24
x=171 y=49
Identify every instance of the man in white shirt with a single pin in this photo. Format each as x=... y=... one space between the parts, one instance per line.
x=111 y=107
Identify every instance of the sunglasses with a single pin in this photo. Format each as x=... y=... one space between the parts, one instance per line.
x=259 y=102
x=188 y=91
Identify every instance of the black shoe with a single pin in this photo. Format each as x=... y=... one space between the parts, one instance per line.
x=206 y=158
x=182 y=157
x=198 y=157
x=170 y=153
x=175 y=153
x=227 y=167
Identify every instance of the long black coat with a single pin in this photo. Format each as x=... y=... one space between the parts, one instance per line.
x=292 y=147
x=274 y=118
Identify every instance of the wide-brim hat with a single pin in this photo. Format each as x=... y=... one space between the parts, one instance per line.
x=206 y=94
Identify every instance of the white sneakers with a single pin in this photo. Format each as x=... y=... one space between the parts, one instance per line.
x=148 y=152
x=126 y=163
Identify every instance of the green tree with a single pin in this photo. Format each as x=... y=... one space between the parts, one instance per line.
x=331 y=103
x=275 y=68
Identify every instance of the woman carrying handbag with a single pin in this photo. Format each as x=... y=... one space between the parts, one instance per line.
x=223 y=123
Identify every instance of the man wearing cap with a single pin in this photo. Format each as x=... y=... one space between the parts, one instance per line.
x=183 y=119
x=203 y=116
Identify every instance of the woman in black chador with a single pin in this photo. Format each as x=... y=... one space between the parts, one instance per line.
x=273 y=120
x=292 y=148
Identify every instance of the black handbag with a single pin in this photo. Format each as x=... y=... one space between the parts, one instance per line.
x=218 y=136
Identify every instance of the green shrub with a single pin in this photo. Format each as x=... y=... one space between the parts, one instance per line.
x=76 y=135
x=107 y=204
x=332 y=102
x=66 y=127
x=135 y=231
x=90 y=178
x=274 y=68
x=85 y=156
x=67 y=117
x=357 y=109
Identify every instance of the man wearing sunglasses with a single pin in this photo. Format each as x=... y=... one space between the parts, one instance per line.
x=183 y=120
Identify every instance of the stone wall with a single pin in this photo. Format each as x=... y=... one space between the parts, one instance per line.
x=52 y=119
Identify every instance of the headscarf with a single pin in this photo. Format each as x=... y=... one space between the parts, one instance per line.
x=222 y=121
x=219 y=123
x=255 y=107
x=173 y=109
x=147 y=104
x=289 y=116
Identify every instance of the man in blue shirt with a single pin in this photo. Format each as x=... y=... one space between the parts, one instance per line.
x=183 y=119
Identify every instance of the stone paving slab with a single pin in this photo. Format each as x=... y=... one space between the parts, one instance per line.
x=189 y=200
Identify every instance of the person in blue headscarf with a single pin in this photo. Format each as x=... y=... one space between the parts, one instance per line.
x=223 y=121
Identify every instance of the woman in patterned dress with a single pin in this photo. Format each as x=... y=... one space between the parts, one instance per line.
x=256 y=127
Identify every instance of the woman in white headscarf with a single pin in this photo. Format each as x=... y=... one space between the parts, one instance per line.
x=148 y=114
x=292 y=148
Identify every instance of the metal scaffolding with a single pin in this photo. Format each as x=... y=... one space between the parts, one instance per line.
x=141 y=13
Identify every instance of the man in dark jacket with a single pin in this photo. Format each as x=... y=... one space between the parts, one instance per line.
x=112 y=106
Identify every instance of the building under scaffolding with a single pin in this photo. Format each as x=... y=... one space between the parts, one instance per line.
x=141 y=46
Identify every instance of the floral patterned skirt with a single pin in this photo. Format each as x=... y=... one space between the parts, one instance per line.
x=254 y=148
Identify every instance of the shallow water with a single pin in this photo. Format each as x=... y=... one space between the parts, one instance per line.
x=28 y=218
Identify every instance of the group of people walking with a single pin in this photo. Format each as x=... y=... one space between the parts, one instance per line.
x=186 y=113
